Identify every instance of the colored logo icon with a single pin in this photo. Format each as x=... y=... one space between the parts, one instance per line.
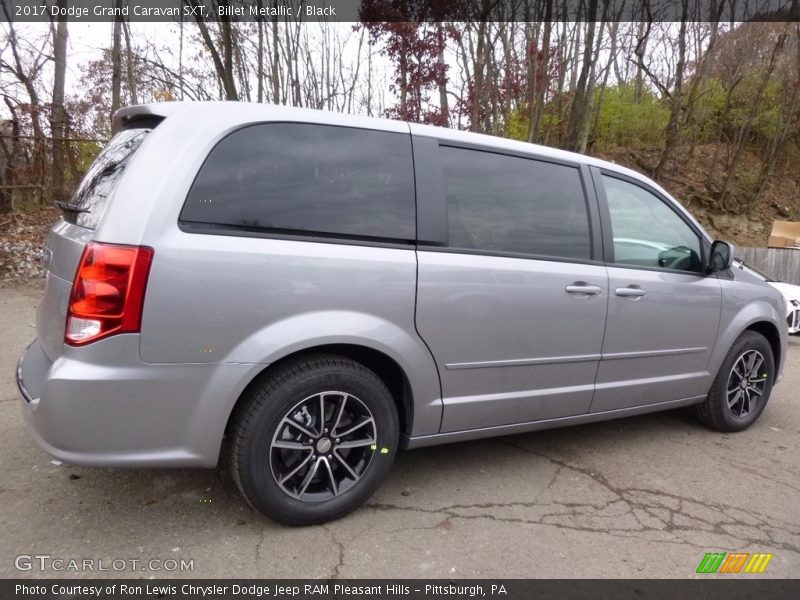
x=734 y=562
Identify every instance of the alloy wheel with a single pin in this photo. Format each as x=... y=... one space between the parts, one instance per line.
x=746 y=383
x=323 y=446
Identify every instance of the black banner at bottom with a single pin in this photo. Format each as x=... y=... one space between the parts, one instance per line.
x=732 y=588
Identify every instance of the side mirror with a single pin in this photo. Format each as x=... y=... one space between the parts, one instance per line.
x=721 y=257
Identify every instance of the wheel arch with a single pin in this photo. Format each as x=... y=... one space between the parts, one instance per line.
x=760 y=315
x=384 y=366
x=773 y=336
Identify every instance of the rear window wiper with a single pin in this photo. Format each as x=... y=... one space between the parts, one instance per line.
x=72 y=208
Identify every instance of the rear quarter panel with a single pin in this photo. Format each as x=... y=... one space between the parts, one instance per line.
x=214 y=298
x=245 y=300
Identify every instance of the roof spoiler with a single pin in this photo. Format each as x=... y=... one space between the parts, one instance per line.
x=144 y=114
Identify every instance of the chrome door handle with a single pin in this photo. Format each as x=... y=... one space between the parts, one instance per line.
x=582 y=288
x=630 y=292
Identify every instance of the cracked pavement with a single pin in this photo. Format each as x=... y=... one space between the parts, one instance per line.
x=639 y=497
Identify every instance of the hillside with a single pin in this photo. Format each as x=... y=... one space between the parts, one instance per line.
x=739 y=222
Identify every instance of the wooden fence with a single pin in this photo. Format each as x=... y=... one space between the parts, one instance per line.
x=782 y=264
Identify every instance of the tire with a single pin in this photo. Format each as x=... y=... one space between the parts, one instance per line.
x=729 y=407
x=298 y=469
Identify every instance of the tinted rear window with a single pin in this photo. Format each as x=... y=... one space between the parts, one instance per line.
x=103 y=176
x=517 y=205
x=303 y=178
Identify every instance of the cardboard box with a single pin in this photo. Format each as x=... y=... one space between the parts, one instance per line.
x=784 y=234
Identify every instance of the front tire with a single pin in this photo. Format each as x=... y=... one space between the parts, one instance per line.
x=314 y=440
x=742 y=387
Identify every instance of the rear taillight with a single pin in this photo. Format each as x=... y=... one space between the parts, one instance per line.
x=108 y=292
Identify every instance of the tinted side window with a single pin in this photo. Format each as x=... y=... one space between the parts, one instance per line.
x=308 y=178
x=647 y=232
x=508 y=204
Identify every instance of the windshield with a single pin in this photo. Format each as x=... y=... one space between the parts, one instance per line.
x=102 y=178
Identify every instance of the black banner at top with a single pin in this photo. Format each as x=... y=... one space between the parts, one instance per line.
x=93 y=11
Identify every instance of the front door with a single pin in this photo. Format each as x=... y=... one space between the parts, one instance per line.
x=663 y=311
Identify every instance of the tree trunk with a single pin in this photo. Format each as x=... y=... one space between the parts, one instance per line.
x=697 y=79
x=585 y=125
x=276 y=57
x=641 y=48
x=58 y=115
x=260 y=70
x=671 y=138
x=9 y=145
x=116 y=64
x=223 y=64
x=441 y=82
x=711 y=180
x=612 y=62
x=37 y=163
x=228 y=79
x=540 y=76
x=132 y=87
x=478 y=70
x=580 y=103
x=745 y=128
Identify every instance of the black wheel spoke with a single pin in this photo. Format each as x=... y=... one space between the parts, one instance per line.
x=288 y=445
x=339 y=412
x=346 y=466
x=754 y=372
x=297 y=426
x=331 y=479
x=356 y=443
x=321 y=422
x=295 y=470
x=308 y=478
x=356 y=427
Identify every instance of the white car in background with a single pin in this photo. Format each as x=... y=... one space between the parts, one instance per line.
x=791 y=294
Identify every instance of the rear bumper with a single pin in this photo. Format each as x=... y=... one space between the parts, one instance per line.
x=100 y=405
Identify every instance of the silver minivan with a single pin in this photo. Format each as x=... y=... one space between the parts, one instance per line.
x=321 y=290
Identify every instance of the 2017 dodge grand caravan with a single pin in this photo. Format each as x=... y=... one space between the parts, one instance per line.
x=322 y=290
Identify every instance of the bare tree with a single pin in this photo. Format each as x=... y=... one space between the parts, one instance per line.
x=221 y=50
x=538 y=78
x=116 y=62
x=579 y=112
x=671 y=137
x=58 y=115
x=28 y=75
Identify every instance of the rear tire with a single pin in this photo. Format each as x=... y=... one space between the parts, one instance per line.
x=742 y=387
x=314 y=439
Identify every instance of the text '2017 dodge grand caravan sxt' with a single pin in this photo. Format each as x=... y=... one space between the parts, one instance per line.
x=327 y=289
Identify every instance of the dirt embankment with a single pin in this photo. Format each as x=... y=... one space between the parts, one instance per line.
x=737 y=219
